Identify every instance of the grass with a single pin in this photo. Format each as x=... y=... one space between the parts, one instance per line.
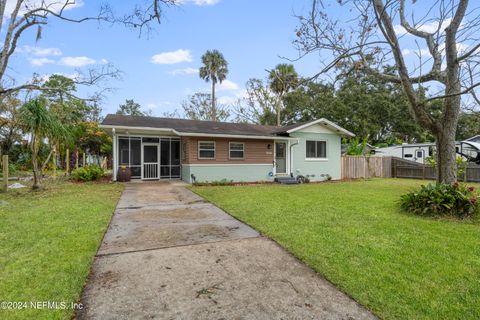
x=48 y=241
x=397 y=265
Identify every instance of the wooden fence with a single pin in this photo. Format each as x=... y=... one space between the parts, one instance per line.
x=410 y=169
x=355 y=167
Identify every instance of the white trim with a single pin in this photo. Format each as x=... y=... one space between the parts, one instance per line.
x=107 y=126
x=239 y=136
x=230 y=150
x=316 y=159
x=224 y=164
x=326 y=123
x=214 y=149
x=115 y=154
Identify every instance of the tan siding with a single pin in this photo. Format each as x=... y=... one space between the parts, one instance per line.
x=256 y=151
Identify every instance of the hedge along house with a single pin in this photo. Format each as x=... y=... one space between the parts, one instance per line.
x=206 y=151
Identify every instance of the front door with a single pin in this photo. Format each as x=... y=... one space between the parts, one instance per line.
x=150 y=161
x=280 y=157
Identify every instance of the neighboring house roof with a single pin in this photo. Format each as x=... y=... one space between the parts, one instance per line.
x=186 y=127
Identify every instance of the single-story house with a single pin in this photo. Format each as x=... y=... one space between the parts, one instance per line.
x=205 y=151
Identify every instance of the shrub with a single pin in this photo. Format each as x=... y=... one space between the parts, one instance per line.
x=223 y=182
x=442 y=199
x=88 y=173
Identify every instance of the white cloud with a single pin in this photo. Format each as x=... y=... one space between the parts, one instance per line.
x=36 y=51
x=417 y=52
x=172 y=57
x=38 y=62
x=232 y=99
x=52 y=5
x=74 y=76
x=399 y=30
x=429 y=27
x=228 y=85
x=198 y=2
x=185 y=71
x=76 y=61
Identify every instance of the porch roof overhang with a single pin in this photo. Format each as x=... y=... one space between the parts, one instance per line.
x=151 y=130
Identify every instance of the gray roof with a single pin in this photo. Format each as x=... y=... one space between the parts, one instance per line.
x=195 y=126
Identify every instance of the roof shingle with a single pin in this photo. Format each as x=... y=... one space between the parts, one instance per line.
x=195 y=126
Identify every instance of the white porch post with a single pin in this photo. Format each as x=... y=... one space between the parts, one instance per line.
x=274 y=158
x=115 y=154
x=287 y=154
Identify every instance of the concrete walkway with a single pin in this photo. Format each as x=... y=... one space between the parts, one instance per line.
x=169 y=255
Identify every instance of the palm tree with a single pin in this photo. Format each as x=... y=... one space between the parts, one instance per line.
x=214 y=69
x=282 y=79
x=41 y=124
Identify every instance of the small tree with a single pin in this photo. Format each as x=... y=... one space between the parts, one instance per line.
x=214 y=69
x=41 y=124
x=258 y=106
x=199 y=107
x=131 y=108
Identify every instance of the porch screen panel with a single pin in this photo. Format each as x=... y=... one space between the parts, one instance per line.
x=136 y=157
x=175 y=159
x=165 y=158
x=124 y=151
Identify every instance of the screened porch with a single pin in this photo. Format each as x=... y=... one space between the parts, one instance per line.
x=149 y=158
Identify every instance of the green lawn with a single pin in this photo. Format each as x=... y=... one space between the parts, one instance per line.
x=48 y=240
x=397 y=265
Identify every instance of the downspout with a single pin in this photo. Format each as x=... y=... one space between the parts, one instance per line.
x=114 y=155
x=290 y=155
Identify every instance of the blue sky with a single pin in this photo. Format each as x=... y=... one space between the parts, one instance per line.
x=251 y=34
x=159 y=70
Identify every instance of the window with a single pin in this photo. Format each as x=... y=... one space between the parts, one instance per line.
x=237 y=150
x=206 y=149
x=316 y=149
x=419 y=154
x=184 y=151
x=408 y=155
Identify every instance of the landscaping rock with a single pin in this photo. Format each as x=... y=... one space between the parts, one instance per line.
x=16 y=186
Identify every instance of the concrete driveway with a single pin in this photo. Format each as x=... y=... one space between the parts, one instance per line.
x=169 y=255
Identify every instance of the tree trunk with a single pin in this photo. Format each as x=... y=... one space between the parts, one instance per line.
x=214 y=111
x=36 y=170
x=44 y=165
x=279 y=108
x=446 y=168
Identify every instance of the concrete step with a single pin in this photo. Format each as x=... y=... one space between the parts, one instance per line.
x=286 y=180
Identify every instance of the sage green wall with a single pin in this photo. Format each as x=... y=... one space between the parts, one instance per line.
x=237 y=173
x=332 y=166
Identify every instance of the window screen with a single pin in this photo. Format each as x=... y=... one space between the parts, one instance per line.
x=316 y=149
x=237 y=150
x=206 y=149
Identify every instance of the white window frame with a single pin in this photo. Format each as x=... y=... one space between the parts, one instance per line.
x=230 y=150
x=316 y=158
x=214 y=150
